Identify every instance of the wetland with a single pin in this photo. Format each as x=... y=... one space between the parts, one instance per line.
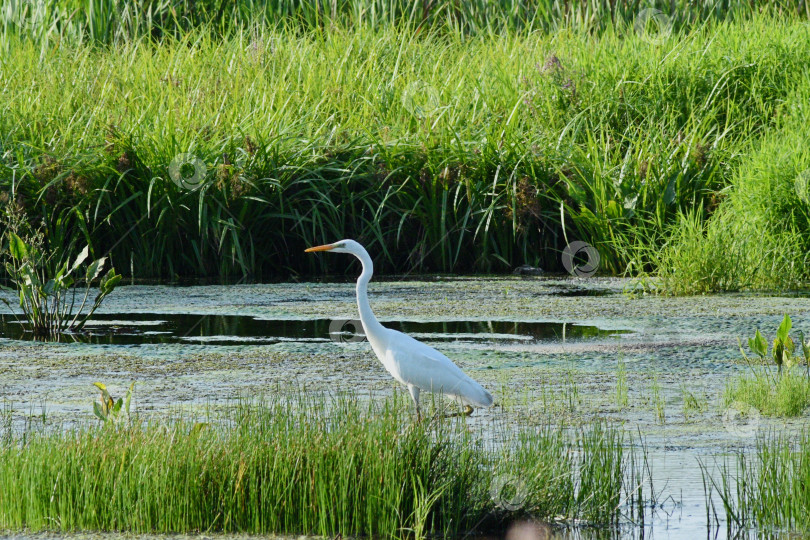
x=549 y=351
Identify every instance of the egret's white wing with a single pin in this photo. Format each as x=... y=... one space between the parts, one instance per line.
x=429 y=370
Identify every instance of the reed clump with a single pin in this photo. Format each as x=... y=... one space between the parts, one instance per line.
x=310 y=464
x=507 y=148
x=767 y=489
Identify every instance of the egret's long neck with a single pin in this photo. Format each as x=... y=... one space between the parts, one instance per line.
x=370 y=322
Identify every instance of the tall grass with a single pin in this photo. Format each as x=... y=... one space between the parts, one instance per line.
x=760 y=235
x=769 y=489
x=785 y=394
x=308 y=464
x=441 y=153
x=107 y=21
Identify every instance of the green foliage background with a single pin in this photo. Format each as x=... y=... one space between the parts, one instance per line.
x=449 y=137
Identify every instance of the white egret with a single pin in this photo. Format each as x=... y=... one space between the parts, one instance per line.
x=412 y=363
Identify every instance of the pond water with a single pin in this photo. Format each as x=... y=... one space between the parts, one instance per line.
x=142 y=328
x=544 y=347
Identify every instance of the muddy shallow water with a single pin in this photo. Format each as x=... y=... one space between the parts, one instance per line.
x=543 y=346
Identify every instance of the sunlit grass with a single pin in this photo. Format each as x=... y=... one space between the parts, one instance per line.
x=772 y=394
x=769 y=489
x=106 y=21
x=309 y=464
x=759 y=236
x=693 y=403
x=439 y=152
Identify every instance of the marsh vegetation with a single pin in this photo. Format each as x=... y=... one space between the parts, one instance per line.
x=313 y=464
x=209 y=139
x=783 y=393
x=767 y=489
x=445 y=139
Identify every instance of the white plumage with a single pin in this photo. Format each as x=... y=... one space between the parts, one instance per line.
x=411 y=362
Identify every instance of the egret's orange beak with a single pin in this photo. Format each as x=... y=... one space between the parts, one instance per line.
x=327 y=247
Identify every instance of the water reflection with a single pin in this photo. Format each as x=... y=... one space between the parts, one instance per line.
x=135 y=329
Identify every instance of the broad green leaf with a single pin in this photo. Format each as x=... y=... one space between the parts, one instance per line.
x=784 y=328
x=49 y=287
x=97 y=410
x=110 y=281
x=29 y=276
x=129 y=397
x=16 y=246
x=80 y=259
x=790 y=347
x=778 y=352
x=95 y=269
x=61 y=272
x=758 y=345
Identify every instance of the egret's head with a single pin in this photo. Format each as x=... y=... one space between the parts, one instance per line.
x=342 y=246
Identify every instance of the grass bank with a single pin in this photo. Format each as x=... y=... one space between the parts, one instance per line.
x=441 y=152
x=308 y=464
x=760 y=235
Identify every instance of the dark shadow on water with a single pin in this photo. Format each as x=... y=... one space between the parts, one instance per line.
x=135 y=329
x=584 y=292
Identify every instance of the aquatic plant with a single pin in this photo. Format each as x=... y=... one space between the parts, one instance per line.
x=46 y=290
x=786 y=393
x=657 y=401
x=692 y=403
x=758 y=236
x=108 y=409
x=622 y=399
x=309 y=464
x=783 y=348
x=767 y=490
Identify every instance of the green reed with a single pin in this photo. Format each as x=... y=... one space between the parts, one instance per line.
x=441 y=153
x=107 y=21
x=758 y=238
x=767 y=490
x=311 y=464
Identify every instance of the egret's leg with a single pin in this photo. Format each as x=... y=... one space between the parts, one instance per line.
x=415 y=397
